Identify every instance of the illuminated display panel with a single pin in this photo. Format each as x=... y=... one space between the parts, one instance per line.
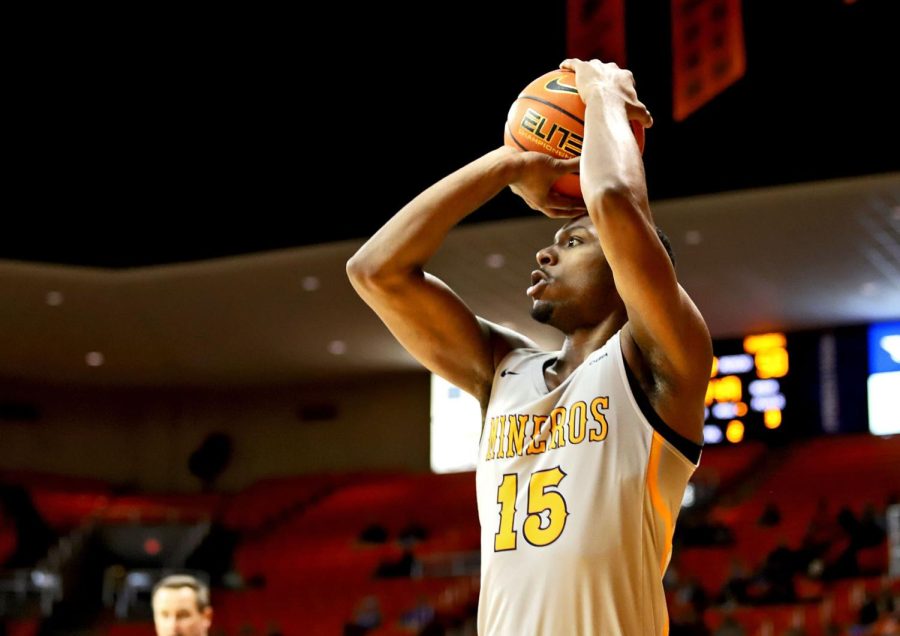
x=746 y=396
x=455 y=428
x=884 y=378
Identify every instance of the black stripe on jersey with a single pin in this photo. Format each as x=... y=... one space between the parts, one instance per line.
x=689 y=449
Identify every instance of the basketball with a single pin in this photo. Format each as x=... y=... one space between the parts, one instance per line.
x=548 y=116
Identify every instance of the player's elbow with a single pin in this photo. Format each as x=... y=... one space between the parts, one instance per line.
x=367 y=273
x=362 y=271
x=613 y=197
x=358 y=268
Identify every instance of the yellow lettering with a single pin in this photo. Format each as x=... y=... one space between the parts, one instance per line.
x=537 y=446
x=597 y=404
x=542 y=498
x=516 y=436
x=492 y=439
x=557 y=426
x=505 y=539
x=577 y=422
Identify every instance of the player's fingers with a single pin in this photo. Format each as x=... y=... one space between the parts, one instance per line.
x=640 y=113
x=562 y=202
x=569 y=165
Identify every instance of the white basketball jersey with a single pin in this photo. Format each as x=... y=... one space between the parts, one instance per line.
x=578 y=493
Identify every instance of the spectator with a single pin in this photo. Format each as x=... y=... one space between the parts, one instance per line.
x=870 y=531
x=777 y=576
x=373 y=533
x=412 y=534
x=33 y=537
x=735 y=588
x=419 y=617
x=887 y=604
x=181 y=607
x=730 y=627
x=868 y=611
x=402 y=567
x=821 y=532
x=771 y=516
x=366 y=617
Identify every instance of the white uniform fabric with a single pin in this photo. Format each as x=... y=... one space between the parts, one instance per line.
x=577 y=513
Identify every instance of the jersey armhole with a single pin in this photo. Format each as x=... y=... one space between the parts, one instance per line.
x=688 y=448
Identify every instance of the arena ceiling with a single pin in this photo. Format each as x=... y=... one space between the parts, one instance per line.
x=178 y=179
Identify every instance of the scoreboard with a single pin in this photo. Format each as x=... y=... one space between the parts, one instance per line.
x=747 y=396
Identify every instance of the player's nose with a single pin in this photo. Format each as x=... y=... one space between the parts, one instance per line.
x=546 y=256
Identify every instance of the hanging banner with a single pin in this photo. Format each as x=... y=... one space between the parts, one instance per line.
x=708 y=52
x=595 y=29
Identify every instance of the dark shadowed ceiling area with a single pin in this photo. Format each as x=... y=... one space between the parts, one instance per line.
x=184 y=187
x=171 y=137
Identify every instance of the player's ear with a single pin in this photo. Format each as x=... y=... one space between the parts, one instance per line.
x=207 y=616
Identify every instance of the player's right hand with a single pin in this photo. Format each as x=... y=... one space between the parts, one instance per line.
x=536 y=174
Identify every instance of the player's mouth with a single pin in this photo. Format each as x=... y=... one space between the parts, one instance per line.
x=539 y=280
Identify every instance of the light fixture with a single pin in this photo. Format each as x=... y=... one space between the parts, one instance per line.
x=337 y=347
x=54 y=298
x=94 y=359
x=693 y=237
x=495 y=261
x=310 y=283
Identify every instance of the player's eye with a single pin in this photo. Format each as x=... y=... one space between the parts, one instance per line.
x=573 y=241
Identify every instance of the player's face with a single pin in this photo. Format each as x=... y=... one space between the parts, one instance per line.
x=573 y=286
x=175 y=613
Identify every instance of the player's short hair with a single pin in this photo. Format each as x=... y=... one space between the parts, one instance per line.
x=666 y=244
x=177 y=581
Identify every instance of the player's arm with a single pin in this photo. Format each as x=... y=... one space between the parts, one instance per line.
x=425 y=316
x=671 y=336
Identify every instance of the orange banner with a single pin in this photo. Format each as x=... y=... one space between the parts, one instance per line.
x=596 y=29
x=708 y=52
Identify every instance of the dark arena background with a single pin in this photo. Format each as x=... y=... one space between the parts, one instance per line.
x=188 y=383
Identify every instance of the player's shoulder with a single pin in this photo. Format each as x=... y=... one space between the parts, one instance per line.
x=505 y=340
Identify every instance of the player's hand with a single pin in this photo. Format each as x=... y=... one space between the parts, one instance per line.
x=596 y=77
x=536 y=174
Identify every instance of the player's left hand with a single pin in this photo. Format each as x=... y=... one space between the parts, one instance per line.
x=596 y=77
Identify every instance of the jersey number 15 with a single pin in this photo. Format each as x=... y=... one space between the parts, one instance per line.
x=542 y=498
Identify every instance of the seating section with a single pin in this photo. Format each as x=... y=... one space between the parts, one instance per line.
x=723 y=466
x=316 y=554
x=307 y=570
x=840 y=605
x=266 y=501
x=847 y=471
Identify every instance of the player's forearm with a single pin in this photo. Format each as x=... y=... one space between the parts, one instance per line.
x=412 y=236
x=611 y=163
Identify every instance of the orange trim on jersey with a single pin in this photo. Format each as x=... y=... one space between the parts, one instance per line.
x=659 y=505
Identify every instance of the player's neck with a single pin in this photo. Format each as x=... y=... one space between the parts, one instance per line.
x=578 y=345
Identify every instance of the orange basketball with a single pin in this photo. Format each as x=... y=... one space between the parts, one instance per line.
x=548 y=116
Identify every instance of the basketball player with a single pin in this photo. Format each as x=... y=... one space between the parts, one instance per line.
x=585 y=452
x=181 y=607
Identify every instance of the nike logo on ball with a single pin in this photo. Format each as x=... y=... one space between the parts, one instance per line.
x=554 y=85
x=506 y=372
